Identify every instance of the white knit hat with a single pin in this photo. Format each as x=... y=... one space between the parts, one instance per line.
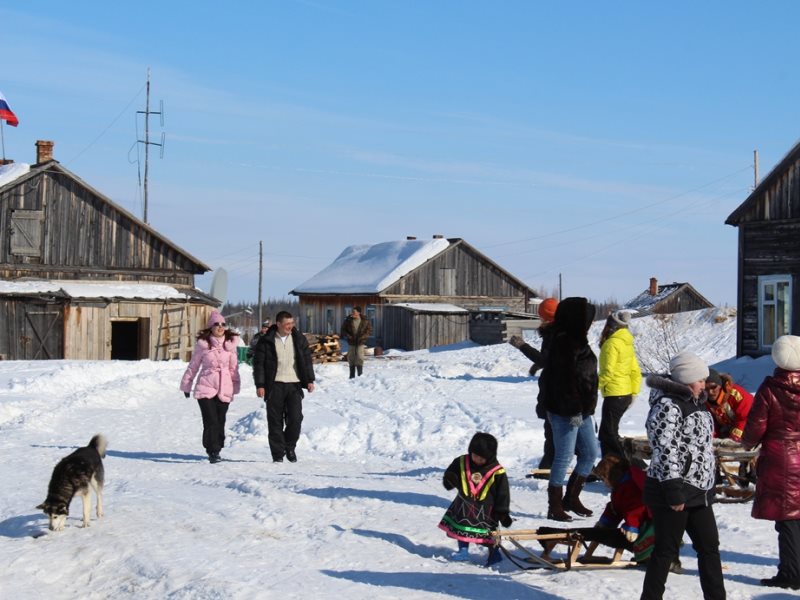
x=786 y=352
x=686 y=367
x=622 y=317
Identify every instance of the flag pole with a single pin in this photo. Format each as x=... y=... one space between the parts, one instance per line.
x=2 y=140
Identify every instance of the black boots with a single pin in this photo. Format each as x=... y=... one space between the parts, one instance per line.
x=555 y=509
x=354 y=369
x=571 y=500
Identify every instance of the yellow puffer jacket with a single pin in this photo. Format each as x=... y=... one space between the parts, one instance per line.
x=620 y=374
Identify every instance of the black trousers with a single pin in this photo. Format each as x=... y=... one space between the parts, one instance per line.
x=213 y=411
x=613 y=409
x=789 y=550
x=701 y=525
x=549 y=447
x=608 y=536
x=284 y=417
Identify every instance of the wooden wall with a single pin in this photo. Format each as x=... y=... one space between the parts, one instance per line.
x=767 y=248
x=32 y=329
x=82 y=237
x=312 y=317
x=460 y=277
x=681 y=301
x=411 y=330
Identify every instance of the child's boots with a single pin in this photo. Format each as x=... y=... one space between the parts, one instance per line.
x=462 y=553
x=494 y=556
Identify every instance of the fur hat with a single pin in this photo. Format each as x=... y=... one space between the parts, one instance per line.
x=686 y=367
x=547 y=309
x=786 y=352
x=714 y=377
x=265 y=323
x=621 y=317
x=484 y=445
x=215 y=317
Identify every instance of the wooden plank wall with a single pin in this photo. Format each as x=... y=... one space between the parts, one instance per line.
x=410 y=330
x=768 y=248
x=319 y=306
x=84 y=237
x=20 y=317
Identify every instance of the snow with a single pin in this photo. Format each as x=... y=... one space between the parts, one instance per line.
x=367 y=269
x=82 y=289
x=431 y=307
x=355 y=517
x=10 y=172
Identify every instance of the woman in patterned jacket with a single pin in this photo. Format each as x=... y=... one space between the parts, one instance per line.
x=680 y=479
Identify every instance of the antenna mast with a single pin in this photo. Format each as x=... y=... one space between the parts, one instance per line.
x=146 y=141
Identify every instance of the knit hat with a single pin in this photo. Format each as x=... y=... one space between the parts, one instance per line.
x=484 y=445
x=786 y=352
x=621 y=317
x=714 y=377
x=686 y=367
x=547 y=309
x=215 y=317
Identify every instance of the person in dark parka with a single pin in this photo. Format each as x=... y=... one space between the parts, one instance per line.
x=282 y=368
x=570 y=397
x=774 y=422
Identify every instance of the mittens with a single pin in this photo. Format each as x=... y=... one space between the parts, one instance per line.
x=629 y=535
x=516 y=341
x=506 y=520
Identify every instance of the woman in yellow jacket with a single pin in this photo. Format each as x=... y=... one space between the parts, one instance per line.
x=620 y=378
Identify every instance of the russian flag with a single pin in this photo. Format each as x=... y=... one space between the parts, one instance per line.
x=6 y=114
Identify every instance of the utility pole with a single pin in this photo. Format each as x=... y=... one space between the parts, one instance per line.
x=147 y=143
x=559 y=287
x=755 y=169
x=260 y=277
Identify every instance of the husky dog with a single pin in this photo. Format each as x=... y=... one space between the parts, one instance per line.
x=73 y=475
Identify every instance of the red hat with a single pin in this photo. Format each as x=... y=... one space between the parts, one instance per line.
x=547 y=309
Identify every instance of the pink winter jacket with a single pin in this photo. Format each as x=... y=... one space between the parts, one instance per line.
x=219 y=369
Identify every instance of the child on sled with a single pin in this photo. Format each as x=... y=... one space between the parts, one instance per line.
x=482 y=500
x=626 y=522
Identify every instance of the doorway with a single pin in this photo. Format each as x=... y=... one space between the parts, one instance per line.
x=129 y=339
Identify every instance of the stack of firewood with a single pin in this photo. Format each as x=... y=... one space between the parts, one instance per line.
x=325 y=348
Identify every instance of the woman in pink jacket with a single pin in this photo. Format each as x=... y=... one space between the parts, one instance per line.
x=216 y=359
x=774 y=422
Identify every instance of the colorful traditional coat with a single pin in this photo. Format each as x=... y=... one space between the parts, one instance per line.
x=482 y=501
x=730 y=411
x=627 y=506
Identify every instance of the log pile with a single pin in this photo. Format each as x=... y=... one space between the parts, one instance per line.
x=325 y=348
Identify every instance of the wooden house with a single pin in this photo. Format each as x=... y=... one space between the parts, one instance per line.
x=411 y=272
x=667 y=299
x=82 y=278
x=769 y=259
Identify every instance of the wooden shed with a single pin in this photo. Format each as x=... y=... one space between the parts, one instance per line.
x=416 y=326
x=769 y=259
x=82 y=278
x=667 y=299
x=411 y=271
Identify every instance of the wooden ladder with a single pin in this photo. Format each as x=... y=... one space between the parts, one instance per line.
x=174 y=333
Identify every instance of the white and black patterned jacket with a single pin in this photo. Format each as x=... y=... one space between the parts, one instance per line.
x=680 y=429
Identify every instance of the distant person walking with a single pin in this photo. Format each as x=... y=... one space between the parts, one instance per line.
x=679 y=488
x=620 y=379
x=774 y=422
x=547 y=312
x=282 y=367
x=251 y=350
x=570 y=397
x=356 y=330
x=215 y=358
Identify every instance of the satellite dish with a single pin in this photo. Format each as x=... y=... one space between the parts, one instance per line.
x=219 y=286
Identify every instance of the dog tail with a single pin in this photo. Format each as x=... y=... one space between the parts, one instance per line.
x=99 y=443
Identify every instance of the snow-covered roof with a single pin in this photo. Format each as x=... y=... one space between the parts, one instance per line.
x=369 y=269
x=81 y=289
x=10 y=172
x=431 y=307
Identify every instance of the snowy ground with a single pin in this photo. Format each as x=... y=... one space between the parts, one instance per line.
x=355 y=517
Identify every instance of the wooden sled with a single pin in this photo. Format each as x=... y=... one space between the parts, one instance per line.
x=735 y=467
x=578 y=555
x=542 y=473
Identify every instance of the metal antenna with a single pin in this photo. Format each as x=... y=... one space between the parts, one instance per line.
x=146 y=141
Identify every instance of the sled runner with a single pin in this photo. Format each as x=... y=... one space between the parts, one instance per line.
x=579 y=554
x=736 y=467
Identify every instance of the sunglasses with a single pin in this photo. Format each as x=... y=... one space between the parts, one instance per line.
x=220 y=325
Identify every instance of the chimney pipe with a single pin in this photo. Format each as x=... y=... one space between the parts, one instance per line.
x=411 y=237
x=44 y=151
x=653 y=286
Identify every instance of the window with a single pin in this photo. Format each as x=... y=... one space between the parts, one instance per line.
x=309 y=324
x=774 y=308
x=330 y=326
x=26 y=232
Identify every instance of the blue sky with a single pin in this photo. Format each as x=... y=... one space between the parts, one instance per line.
x=605 y=141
